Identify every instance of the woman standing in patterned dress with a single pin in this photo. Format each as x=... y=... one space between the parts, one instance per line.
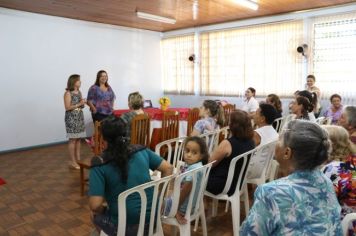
x=74 y=118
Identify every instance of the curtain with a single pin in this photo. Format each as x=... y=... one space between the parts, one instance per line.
x=177 y=70
x=263 y=57
x=333 y=57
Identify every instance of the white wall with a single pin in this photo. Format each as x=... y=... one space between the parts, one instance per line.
x=38 y=53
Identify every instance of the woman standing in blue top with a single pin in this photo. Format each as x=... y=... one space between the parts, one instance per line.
x=304 y=202
x=122 y=166
x=101 y=97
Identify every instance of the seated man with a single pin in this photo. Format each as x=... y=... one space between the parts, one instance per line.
x=264 y=117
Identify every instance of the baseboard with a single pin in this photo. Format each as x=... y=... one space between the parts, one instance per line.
x=33 y=147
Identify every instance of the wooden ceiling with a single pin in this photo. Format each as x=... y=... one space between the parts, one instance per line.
x=123 y=12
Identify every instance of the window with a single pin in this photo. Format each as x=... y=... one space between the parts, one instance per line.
x=333 y=57
x=263 y=57
x=178 y=71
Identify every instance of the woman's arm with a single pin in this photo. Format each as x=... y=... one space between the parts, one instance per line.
x=223 y=150
x=91 y=98
x=165 y=168
x=96 y=204
x=195 y=133
x=256 y=138
x=68 y=102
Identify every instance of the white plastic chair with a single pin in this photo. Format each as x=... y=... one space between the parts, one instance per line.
x=346 y=221
x=260 y=164
x=174 y=151
x=211 y=139
x=277 y=123
x=324 y=120
x=195 y=209
x=159 y=188
x=241 y=190
x=273 y=171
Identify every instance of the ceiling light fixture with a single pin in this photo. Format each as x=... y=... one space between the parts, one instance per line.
x=148 y=16
x=248 y=3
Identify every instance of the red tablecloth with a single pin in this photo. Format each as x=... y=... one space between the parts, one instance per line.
x=157 y=114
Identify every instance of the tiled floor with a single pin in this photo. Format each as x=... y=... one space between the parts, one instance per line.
x=42 y=196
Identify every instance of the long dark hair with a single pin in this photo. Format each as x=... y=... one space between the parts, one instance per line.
x=114 y=133
x=216 y=110
x=276 y=102
x=306 y=106
x=98 y=75
x=240 y=125
x=312 y=97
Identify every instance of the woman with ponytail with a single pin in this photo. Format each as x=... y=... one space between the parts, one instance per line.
x=313 y=100
x=301 y=107
x=212 y=117
x=304 y=202
x=120 y=167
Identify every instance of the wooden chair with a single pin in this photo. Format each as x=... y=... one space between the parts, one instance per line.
x=170 y=125
x=193 y=116
x=228 y=108
x=98 y=139
x=140 y=130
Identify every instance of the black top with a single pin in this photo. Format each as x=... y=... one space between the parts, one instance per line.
x=218 y=174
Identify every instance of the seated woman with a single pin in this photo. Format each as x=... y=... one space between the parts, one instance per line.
x=348 y=121
x=122 y=166
x=313 y=100
x=264 y=118
x=335 y=110
x=301 y=108
x=341 y=169
x=212 y=116
x=274 y=100
x=304 y=202
x=240 y=142
x=250 y=103
x=135 y=102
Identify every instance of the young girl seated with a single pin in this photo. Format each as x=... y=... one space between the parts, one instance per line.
x=212 y=116
x=195 y=155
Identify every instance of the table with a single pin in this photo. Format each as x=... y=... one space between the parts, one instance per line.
x=157 y=114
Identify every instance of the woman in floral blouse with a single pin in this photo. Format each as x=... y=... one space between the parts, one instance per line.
x=342 y=170
x=304 y=202
x=101 y=97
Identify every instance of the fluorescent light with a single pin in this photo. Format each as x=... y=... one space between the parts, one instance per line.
x=148 y=16
x=247 y=3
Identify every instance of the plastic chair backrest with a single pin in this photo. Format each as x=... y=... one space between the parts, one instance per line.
x=241 y=180
x=174 y=150
x=199 y=178
x=159 y=189
x=140 y=130
x=212 y=139
x=261 y=160
x=277 y=123
x=349 y=218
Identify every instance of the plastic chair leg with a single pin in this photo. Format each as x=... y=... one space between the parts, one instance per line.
x=215 y=207
x=235 y=212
